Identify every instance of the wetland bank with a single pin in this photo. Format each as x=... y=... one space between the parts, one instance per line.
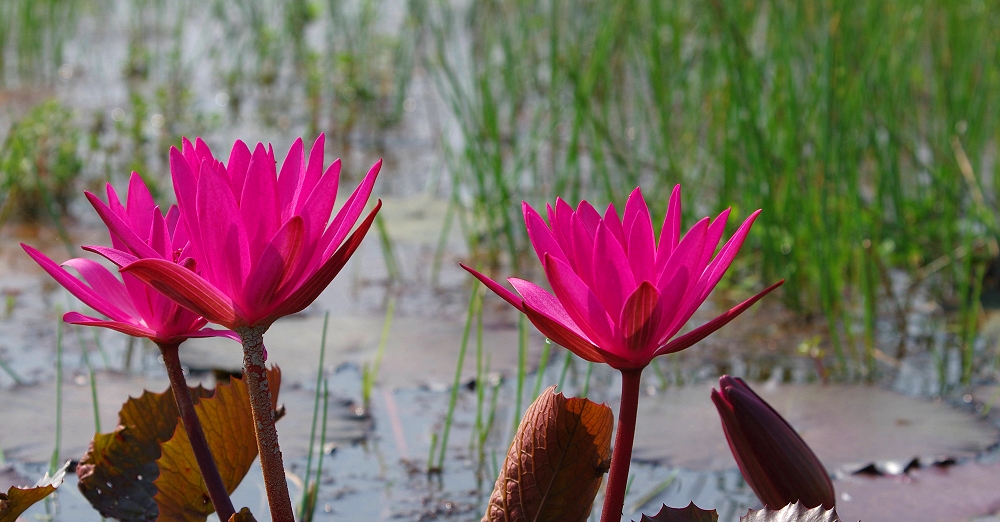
x=867 y=134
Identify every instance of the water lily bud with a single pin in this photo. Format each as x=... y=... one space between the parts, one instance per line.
x=774 y=460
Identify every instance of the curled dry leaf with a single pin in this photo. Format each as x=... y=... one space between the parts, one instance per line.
x=691 y=513
x=556 y=462
x=792 y=513
x=243 y=516
x=228 y=424
x=17 y=500
x=117 y=473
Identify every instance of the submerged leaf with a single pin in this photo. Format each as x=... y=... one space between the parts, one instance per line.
x=117 y=473
x=227 y=420
x=792 y=513
x=691 y=513
x=556 y=462
x=17 y=500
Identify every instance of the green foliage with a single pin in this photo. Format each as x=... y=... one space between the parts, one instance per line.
x=847 y=122
x=39 y=164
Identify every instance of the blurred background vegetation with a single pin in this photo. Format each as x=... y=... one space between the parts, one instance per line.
x=867 y=131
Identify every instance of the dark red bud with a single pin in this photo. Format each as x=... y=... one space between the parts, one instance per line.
x=774 y=460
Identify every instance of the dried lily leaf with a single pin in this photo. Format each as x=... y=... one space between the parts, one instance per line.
x=117 y=473
x=691 y=513
x=243 y=516
x=227 y=420
x=555 y=464
x=17 y=500
x=792 y=513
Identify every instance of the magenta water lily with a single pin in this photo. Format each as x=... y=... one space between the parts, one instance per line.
x=775 y=461
x=620 y=294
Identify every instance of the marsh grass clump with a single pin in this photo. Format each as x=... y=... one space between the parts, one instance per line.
x=40 y=164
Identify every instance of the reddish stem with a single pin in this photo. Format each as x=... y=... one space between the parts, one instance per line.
x=271 y=462
x=621 y=456
x=189 y=419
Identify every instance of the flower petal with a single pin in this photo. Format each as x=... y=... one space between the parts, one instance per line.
x=615 y=282
x=704 y=330
x=641 y=249
x=670 y=234
x=541 y=237
x=497 y=288
x=116 y=256
x=186 y=288
x=640 y=320
x=614 y=224
x=134 y=330
x=140 y=206
x=348 y=214
x=224 y=244
x=270 y=272
x=76 y=287
x=237 y=167
x=308 y=291
x=543 y=302
x=580 y=303
x=289 y=180
x=313 y=173
x=568 y=339
x=104 y=283
x=121 y=229
x=259 y=206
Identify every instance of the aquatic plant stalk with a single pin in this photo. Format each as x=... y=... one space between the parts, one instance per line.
x=621 y=456
x=271 y=463
x=192 y=426
x=312 y=430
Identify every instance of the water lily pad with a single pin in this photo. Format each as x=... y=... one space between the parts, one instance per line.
x=18 y=499
x=848 y=427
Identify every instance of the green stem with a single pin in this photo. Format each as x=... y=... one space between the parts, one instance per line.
x=271 y=462
x=189 y=419
x=621 y=456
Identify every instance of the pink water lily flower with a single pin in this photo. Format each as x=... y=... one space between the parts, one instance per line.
x=132 y=307
x=619 y=295
x=264 y=241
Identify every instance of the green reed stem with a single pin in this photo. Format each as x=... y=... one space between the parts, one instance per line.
x=315 y=416
x=475 y=301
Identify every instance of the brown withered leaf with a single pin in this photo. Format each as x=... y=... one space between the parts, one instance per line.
x=117 y=472
x=227 y=420
x=691 y=513
x=792 y=513
x=555 y=464
x=243 y=516
x=17 y=500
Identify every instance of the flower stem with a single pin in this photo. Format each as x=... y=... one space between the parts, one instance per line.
x=189 y=419
x=263 y=420
x=621 y=456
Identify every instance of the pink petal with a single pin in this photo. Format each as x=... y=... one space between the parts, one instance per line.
x=590 y=217
x=640 y=320
x=641 y=248
x=270 y=271
x=582 y=251
x=121 y=229
x=186 y=288
x=314 y=171
x=706 y=329
x=497 y=288
x=317 y=282
x=540 y=235
x=349 y=213
x=580 y=302
x=104 y=283
x=236 y=168
x=259 y=206
x=212 y=332
x=224 y=240
x=717 y=268
x=76 y=287
x=318 y=205
x=715 y=231
x=568 y=339
x=559 y=223
x=635 y=206
x=140 y=206
x=547 y=304
x=186 y=191
x=614 y=224
x=159 y=236
x=289 y=180
x=670 y=234
x=613 y=281
x=685 y=259
x=116 y=256
x=134 y=330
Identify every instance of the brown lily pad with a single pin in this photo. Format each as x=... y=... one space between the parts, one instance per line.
x=691 y=513
x=792 y=513
x=555 y=464
x=17 y=500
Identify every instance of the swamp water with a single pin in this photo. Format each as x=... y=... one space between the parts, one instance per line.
x=927 y=459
